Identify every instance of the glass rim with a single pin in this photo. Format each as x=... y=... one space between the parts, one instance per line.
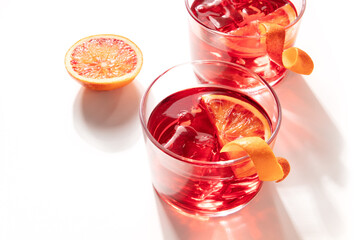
x=199 y=162
x=297 y=19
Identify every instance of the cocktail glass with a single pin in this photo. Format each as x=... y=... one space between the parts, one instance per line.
x=244 y=46
x=203 y=187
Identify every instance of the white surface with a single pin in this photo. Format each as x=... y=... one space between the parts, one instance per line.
x=73 y=163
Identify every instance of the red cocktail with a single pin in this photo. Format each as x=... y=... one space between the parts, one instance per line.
x=228 y=30
x=186 y=122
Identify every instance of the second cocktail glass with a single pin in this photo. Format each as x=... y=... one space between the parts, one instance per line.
x=227 y=30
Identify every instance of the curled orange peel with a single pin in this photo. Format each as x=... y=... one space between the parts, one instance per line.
x=285 y=167
x=297 y=61
x=274 y=40
x=293 y=58
x=266 y=165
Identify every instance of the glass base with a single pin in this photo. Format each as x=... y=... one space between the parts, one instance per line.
x=202 y=213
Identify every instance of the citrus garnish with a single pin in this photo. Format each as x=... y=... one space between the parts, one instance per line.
x=293 y=58
x=282 y=16
x=297 y=61
x=285 y=167
x=104 y=62
x=243 y=130
x=234 y=118
x=274 y=40
x=268 y=167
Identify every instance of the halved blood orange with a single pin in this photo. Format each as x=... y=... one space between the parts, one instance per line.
x=104 y=62
x=236 y=119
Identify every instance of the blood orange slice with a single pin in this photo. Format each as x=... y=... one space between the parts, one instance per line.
x=282 y=16
x=243 y=130
x=104 y=62
x=235 y=118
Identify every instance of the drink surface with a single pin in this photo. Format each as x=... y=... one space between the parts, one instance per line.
x=229 y=15
x=182 y=125
x=242 y=44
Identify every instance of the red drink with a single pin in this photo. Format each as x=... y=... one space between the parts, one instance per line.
x=188 y=114
x=182 y=124
x=228 y=30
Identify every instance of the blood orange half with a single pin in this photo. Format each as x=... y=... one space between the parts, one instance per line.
x=104 y=62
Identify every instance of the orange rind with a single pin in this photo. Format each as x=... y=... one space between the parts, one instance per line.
x=274 y=40
x=297 y=60
x=267 y=166
x=104 y=61
x=293 y=59
x=242 y=170
x=285 y=165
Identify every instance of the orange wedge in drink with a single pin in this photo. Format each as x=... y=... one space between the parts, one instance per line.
x=104 y=62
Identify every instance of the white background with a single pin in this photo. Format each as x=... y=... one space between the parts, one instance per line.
x=73 y=163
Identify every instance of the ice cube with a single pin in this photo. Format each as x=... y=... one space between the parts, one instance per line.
x=217 y=14
x=189 y=143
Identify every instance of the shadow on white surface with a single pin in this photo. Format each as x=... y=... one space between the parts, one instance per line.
x=314 y=146
x=108 y=120
x=263 y=218
x=307 y=132
x=302 y=206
